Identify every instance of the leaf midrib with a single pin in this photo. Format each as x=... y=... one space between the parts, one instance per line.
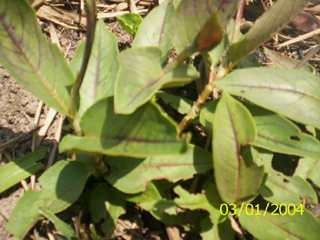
x=272 y=88
x=13 y=38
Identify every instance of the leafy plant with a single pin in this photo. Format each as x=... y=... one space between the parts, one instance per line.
x=129 y=132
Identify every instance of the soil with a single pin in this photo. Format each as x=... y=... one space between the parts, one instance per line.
x=17 y=108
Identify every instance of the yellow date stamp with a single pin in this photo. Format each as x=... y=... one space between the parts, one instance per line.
x=250 y=209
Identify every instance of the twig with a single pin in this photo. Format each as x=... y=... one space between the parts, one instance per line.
x=311 y=53
x=119 y=13
x=300 y=38
x=173 y=233
x=36 y=125
x=20 y=138
x=43 y=131
x=132 y=6
x=57 y=137
x=4 y=216
x=208 y=89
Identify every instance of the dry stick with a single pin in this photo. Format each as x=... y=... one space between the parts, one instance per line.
x=300 y=38
x=132 y=6
x=36 y=124
x=57 y=137
x=119 y=13
x=4 y=216
x=311 y=53
x=173 y=233
x=44 y=130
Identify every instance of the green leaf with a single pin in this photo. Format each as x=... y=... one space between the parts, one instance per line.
x=130 y=22
x=25 y=214
x=106 y=205
x=63 y=228
x=182 y=105
x=277 y=134
x=61 y=185
x=200 y=24
x=102 y=69
x=146 y=132
x=141 y=76
x=281 y=189
x=155 y=28
x=152 y=201
x=15 y=171
x=30 y=59
x=266 y=227
x=208 y=200
x=132 y=175
x=237 y=178
x=282 y=61
x=308 y=168
x=295 y=93
x=281 y=13
x=220 y=231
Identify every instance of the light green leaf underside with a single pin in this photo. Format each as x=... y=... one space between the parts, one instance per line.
x=146 y=132
x=15 y=171
x=30 y=59
x=237 y=178
x=280 y=13
x=290 y=92
x=141 y=76
x=132 y=175
x=290 y=190
x=102 y=69
x=297 y=227
x=278 y=134
x=274 y=133
x=308 y=168
x=63 y=228
x=155 y=28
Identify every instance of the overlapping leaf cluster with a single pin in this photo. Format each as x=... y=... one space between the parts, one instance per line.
x=128 y=143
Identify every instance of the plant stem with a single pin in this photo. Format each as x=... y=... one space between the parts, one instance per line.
x=202 y=98
x=91 y=20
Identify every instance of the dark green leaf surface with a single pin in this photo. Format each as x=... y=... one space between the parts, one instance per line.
x=106 y=205
x=25 y=214
x=15 y=171
x=102 y=69
x=290 y=92
x=237 y=178
x=266 y=227
x=30 y=59
x=132 y=175
x=61 y=185
x=144 y=133
x=141 y=76
x=130 y=22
